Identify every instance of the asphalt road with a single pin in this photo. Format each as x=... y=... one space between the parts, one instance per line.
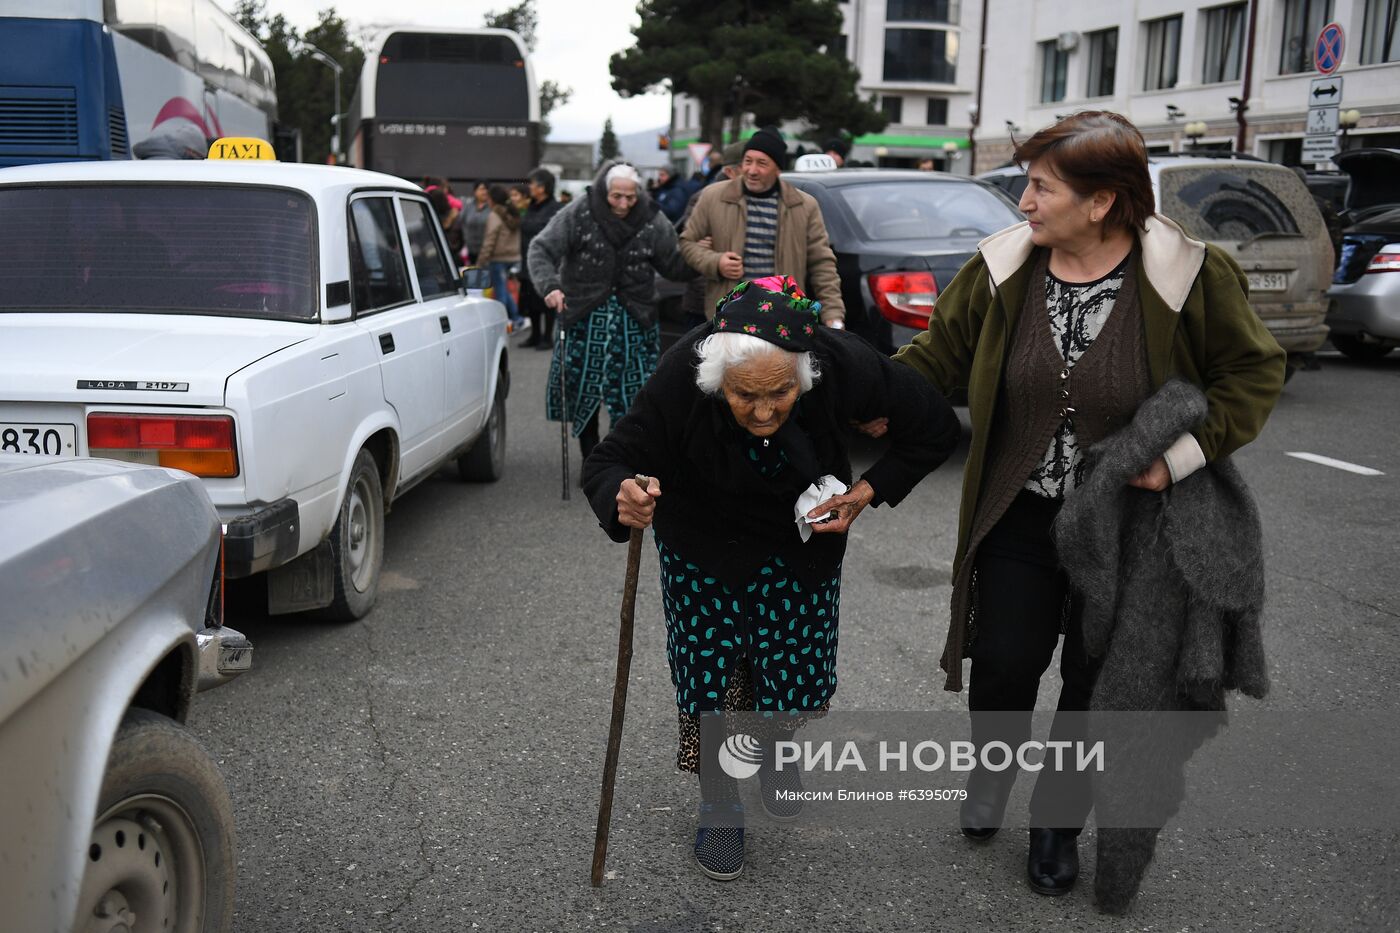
x=436 y=766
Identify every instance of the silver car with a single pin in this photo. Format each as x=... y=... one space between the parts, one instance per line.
x=1365 y=292
x=111 y=620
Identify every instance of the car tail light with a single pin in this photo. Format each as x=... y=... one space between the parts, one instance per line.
x=199 y=444
x=904 y=298
x=1387 y=260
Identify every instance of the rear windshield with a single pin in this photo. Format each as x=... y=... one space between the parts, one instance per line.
x=234 y=250
x=1236 y=202
x=925 y=210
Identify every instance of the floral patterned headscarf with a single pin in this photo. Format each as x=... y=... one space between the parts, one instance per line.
x=772 y=309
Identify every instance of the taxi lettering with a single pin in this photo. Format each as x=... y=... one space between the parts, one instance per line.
x=235 y=148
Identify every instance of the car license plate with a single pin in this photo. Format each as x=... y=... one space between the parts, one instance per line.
x=1268 y=281
x=53 y=440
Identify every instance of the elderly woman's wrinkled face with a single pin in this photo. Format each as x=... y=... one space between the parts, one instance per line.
x=761 y=391
x=1058 y=215
x=622 y=196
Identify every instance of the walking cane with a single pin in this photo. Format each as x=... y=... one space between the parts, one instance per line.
x=619 y=709
x=563 y=407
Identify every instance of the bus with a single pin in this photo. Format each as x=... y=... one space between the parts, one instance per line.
x=87 y=79
x=458 y=104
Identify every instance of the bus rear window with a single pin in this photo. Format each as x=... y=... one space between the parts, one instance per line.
x=230 y=250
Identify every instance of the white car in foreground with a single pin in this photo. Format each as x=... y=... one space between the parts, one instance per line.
x=294 y=335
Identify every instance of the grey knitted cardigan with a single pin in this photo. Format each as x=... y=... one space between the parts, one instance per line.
x=577 y=253
x=1173 y=589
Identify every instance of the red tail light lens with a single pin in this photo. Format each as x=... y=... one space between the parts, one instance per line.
x=904 y=298
x=1387 y=260
x=200 y=444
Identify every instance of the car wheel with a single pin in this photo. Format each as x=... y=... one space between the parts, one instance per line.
x=1358 y=350
x=161 y=856
x=486 y=461
x=357 y=543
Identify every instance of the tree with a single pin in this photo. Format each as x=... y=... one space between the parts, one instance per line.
x=305 y=85
x=738 y=57
x=607 y=145
x=523 y=20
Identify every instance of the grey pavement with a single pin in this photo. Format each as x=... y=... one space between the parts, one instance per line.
x=436 y=766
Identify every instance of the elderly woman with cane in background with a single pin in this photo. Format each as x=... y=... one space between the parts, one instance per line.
x=742 y=434
x=1064 y=329
x=595 y=264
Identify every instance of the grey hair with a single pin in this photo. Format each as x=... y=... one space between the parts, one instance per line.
x=718 y=352
x=623 y=172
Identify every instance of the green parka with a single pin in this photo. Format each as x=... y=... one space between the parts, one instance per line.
x=1198 y=325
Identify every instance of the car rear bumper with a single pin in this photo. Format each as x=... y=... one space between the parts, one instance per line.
x=261 y=540
x=1298 y=327
x=1369 y=306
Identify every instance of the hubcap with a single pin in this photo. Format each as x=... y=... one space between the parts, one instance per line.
x=144 y=872
x=361 y=534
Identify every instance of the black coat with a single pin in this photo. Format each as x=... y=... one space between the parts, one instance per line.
x=715 y=509
x=537 y=217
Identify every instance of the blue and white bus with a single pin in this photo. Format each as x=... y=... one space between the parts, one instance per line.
x=87 y=79
x=461 y=104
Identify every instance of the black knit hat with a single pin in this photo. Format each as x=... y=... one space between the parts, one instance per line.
x=768 y=141
x=772 y=309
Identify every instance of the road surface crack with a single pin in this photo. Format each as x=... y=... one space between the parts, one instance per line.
x=1346 y=597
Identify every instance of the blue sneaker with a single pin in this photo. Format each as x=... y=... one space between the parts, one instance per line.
x=719 y=849
x=778 y=790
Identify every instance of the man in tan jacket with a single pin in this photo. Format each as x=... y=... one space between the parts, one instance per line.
x=758 y=225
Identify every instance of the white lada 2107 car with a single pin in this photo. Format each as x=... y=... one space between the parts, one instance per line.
x=293 y=334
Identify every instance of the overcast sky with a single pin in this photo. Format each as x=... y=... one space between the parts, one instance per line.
x=573 y=44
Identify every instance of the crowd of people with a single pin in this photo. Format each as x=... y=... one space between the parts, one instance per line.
x=1107 y=358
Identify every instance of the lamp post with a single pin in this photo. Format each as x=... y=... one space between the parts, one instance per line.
x=1194 y=131
x=1346 y=121
x=334 y=65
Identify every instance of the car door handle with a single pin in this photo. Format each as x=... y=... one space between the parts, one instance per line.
x=386 y=343
x=446 y=324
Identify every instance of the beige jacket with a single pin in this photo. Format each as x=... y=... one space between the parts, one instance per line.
x=502 y=240
x=802 y=250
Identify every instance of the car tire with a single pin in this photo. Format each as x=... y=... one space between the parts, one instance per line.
x=1356 y=349
x=162 y=848
x=486 y=461
x=357 y=543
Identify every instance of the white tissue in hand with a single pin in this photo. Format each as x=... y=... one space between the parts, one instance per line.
x=817 y=493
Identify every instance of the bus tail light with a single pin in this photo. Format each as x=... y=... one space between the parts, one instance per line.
x=199 y=444
x=904 y=298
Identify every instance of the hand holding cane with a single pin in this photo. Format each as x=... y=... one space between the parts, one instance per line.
x=619 y=709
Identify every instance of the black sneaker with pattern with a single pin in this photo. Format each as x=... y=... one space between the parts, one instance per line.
x=719 y=843
x=780 y=790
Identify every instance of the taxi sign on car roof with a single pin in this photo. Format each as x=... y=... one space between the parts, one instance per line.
x=233 y=148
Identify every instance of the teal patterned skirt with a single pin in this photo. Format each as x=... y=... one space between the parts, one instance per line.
x=606 y=358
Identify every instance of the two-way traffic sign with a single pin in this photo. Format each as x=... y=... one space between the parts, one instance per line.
x=1323 y=103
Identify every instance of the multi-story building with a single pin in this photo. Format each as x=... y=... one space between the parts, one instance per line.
x=1165 y=64
x=1168 y=64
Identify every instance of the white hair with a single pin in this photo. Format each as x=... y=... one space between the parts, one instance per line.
x=718 y=352
x=622 y=172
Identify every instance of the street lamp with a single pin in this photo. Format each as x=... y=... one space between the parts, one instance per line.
x=1194 y=131
x=1346 y=120
x=951 y=152
x=334 y=65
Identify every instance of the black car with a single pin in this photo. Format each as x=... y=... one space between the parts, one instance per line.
x=899 y=236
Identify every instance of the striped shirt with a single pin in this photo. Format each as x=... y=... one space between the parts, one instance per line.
x=761 y=236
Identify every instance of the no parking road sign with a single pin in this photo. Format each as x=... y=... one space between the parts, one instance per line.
x=1327 y=51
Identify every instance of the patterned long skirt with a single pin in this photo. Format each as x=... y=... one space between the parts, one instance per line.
x=768 y=646
x=606 y=358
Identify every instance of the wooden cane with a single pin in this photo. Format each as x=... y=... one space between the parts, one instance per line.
x=563 y=406
x=619 y=709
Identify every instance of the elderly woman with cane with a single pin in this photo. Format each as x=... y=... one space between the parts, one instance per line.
x=594 y=263
x=1064 y=329
x=742 y=433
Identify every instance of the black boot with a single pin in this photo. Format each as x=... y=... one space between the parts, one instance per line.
x=1052 y=864
x=982 y=812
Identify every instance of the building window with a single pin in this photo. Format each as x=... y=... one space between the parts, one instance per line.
x=937 y=111
x=921 y=55
x=1379 y=39
x=1054 y=65
x=922 y=11
x=893 y=108
x=1103 y=62
x=1302 y=21
x=1224 y=43
x=1163 y=50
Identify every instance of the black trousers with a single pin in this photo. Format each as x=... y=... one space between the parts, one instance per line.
x=1023 y=602
x=533 y=307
